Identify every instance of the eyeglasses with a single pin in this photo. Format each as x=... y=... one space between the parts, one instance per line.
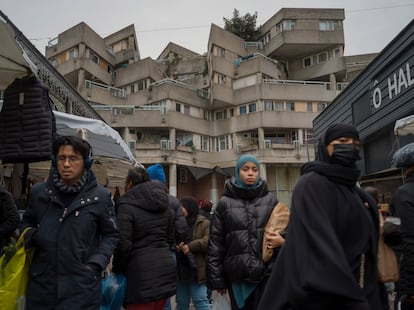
x=71 y=159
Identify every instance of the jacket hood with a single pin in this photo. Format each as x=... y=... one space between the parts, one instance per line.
x=150 y=196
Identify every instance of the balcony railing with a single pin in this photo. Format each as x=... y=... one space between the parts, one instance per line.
x=116 y=92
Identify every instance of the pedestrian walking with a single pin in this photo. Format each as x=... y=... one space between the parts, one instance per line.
x=234 y=259
x=329 y=258
x=73 y=231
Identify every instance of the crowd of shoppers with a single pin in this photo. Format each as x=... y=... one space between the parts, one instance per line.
x=326 y=259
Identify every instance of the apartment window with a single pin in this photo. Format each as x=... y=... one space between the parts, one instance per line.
x=231 y=112
x=53 y=62
x=93 y=57
x=206 y=115
x=268 y=105
x=185 y=139
x=290 y=106
x=309 y=107
x=132 y=145
x=266 y=38
x=277 y=137
x=221 y=79
x=132 y=131
x=282 y=137
x=178 y=107
x=142 y=84
x=205 y=143
x=294 y=136
x=242 y=110
x=222 y=143
x=315 y=59
x=287 y=25
x=337 y=52
x=329 y=25
x=252 y=107
x=221 y=51
x=322 y=57
x=219 y=115
x=307 y=62
x=182 y=175
x=279 y=106
x=132 y=88
x=307 y=136
x=71 y=54
x=186 y=109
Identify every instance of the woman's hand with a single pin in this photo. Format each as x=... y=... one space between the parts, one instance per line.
x=183 y=248
x=273 y=240
x=222 y=291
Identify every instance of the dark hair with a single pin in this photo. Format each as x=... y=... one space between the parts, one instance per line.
x=79 y=145
x=138 y=175
x=206 y=205
x=373 y=192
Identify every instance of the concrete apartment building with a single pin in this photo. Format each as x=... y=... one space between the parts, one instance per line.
x=196 y=114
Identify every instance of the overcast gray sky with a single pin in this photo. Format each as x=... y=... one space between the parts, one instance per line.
x=369 y=24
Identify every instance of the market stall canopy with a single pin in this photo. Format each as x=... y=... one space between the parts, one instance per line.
x=404 y=126
x=13 y=62
x=105 y=141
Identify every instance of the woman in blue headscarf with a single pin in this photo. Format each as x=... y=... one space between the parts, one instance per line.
x=234 y=259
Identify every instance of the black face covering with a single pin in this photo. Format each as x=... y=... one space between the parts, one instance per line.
x=345 y=155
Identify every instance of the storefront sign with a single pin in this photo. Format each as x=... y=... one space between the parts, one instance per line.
x=396 y=84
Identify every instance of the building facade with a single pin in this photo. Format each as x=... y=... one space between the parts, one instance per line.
x=373 y=102
x=196 y=114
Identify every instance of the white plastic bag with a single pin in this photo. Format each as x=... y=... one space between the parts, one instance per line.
x=221 y=302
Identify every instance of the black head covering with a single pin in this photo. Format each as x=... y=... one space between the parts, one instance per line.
x=323 y=163
x=190 y=204
x=339 y=130
x=333 y=132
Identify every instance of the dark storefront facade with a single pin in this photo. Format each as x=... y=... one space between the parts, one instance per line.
x=380 y=95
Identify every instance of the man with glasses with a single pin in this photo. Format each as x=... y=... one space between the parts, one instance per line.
x=73 y=231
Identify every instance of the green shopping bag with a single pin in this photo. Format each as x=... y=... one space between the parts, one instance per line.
x=14 y=275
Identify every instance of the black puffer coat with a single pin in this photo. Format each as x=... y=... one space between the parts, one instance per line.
x=9 y=217
x=403 y=202
x=65 y=242
x=236 y=233
x=142 y=218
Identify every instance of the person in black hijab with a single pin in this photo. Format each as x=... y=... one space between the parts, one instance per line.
x=329 y=257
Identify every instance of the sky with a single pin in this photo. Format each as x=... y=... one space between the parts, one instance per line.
x=369 y=24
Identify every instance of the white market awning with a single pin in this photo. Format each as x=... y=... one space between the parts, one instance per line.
x=13 y=62
x=404 y=126
x=105 y=140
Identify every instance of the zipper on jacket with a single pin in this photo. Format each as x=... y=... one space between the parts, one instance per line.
x=65 y=211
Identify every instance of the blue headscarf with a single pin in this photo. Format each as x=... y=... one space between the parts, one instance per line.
x=156 y=173
x=242 y=160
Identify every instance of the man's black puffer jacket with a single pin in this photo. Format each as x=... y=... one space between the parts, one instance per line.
x=236 y=233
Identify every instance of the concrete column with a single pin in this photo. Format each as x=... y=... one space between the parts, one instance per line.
x=260 y=136
x=263 y=172
x=81 y=80
x=82 y=51
x=213 y=190
x=173 y=180
x=172 y=138
x=332 y=80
